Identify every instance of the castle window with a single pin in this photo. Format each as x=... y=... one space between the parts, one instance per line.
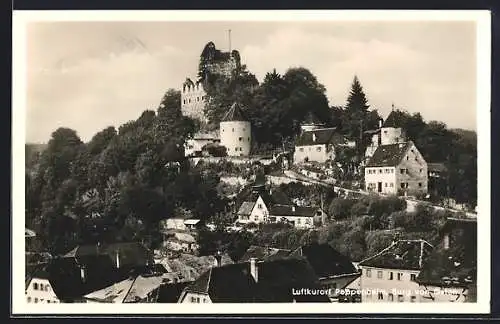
x=184 y=101
x=407 y=158
x=420 y=184
x=35 y=286
x=249 y=139
x=391 y=297
x=240 y=139
x=318 y=149
x=189 y=101
x=380 y=296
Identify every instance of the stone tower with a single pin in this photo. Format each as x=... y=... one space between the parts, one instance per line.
x=236 y=132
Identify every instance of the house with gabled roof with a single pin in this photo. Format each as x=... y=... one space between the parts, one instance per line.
x=397 y=169
x=256 y=282
x=318 y=145
x=390 y=275
x=298 y=216
x=449 y=274
x=334 y=270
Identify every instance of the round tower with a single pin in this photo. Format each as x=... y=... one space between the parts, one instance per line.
x=236 y=132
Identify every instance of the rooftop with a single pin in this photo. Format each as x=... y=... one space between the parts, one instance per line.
x=394 y=120
x=320 y=136
x=325 y=260
x=288 y=210
x=389 y=155
x=402 y=254
x=263 y=253
x=234 y=113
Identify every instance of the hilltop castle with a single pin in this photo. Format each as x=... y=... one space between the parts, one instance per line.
x=213 y=62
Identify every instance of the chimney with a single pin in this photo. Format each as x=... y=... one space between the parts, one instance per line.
x=380 y=122
x=293 y=209
x=83 y=273
x=254 y=270
x=118 y=259
x=446 y=240
x=314 y=137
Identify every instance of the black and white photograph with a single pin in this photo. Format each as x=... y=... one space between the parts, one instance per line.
x=242 y=161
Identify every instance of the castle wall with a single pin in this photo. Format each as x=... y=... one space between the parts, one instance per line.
x=193 y=102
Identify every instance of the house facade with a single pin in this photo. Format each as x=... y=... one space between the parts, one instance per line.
x=253 y=211
x=298 y=216
x=194 y=146
x=39 y=290
x=316 y=145
x=390 y=275
x=397 y=169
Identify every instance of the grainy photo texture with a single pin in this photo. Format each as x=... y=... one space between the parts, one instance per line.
x=204 y=162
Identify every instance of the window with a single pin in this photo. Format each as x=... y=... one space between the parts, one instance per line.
x=407 y=158
x=391 y=276
x=420 y=184
x=298 y=220
x=421 y=170
x=401 y=298
x=380 y=171
x=184 y=101
x=233 y=130
x=198 y=300
x=392 y=185
x=318 y=149
x=402 y=185
x=380 y=296
x=29 y=299
x=36 y=300
x=259 y=206
x=35 y=286
x=243 y=128
x=301 y=149
x=413 y=277
x=240 y=139
x=368 y=273
x=386 y=184
x=385 y=132
x=403 y=171
x=391 y=297
x=379 y=274
x=249 y=139
x=400 y=275
x=413 y=299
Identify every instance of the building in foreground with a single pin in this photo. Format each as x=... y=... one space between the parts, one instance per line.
x=449 y=274
x=390 y=275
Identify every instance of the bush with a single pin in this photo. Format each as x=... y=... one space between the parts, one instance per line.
x=340 y=208
x=376 y=241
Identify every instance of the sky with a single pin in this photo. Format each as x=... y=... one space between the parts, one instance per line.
x=91 y=75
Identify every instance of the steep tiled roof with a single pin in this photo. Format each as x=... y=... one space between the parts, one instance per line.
x=457 y=265
x=393 y=120
x=246 y=208
x=263 y=253
x=325 y=260
x=403 y=254
x=389 y=155
x=320 y=136
x=234 y=114
x=276 y=281
x=131 y=253
x=300 y=211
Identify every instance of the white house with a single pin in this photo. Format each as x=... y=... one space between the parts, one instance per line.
x=236 y=132
x=397 y=168
x=39 y=289
x=253 y=211
x=194 y=145
x=390 y=275
x=298 y=216
x=318 y=145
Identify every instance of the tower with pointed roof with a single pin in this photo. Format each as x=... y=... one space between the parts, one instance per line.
x=236 y=132
x=391 y=131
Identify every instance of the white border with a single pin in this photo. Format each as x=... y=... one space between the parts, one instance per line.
x=483 y=23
